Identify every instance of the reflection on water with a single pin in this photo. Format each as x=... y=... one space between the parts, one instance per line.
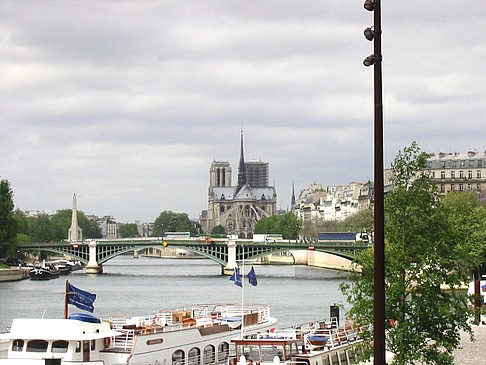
x=296 y=293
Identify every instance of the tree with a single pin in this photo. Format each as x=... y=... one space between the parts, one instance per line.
x=287 y=225
x=8 y=229
x=62 y=220
x=169 y=221
x=128 y=230
x=42 y=229
x=219 y=229
x=421 y=254
x=361 y=221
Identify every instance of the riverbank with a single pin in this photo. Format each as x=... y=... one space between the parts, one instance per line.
x=14 y=274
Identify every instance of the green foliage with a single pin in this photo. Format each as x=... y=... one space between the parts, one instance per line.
x=128 y=230
x=42 y=230
x=8 y=229
x=22 y=238
x=287 y=225
x=22 y=221
x=219 y=229
x=362 y=221
x=169 y=221
x=423 y=251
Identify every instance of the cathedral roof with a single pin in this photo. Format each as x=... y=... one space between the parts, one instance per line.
x=246 y=193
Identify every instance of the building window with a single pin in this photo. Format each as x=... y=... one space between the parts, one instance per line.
x=453 y=187
x=454 y=163
x=461 y=187
x=453 y=174
x=461 y=174
x=442 y=164
x=469 y=187
x=463 y=163
x=442 y=175
x=433 y=174
x=480 y=163
x=469 y=174
x=478 y=187
x=429 y=164
x=478 y=174
x=442 y=188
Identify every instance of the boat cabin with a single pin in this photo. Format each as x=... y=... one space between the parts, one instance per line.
x=56 y=340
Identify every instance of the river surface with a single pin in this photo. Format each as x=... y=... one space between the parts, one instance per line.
x=296 y=294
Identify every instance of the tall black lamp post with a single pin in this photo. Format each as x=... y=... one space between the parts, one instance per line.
x=374 y=34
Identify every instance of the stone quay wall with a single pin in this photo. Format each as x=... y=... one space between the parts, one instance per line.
x=14 y=274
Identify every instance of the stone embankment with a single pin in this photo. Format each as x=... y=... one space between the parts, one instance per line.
x=14 y=274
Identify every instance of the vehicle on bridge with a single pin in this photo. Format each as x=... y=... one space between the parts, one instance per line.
x=343 y=236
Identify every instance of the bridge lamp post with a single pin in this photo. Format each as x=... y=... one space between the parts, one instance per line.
x=375 y=60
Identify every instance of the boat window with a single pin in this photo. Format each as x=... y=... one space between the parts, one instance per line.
x=223 y=351
x=93 y=345
x=194 y=356
x=178 y=357
x=37 y=346
x=17 y=345
x=78 y=346
x=209 y=355
x=60 y=346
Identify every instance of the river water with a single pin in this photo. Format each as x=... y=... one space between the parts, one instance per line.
x=296 y=294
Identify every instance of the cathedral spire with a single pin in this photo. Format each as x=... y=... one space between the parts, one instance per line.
x=241 y=167
x=292 y=201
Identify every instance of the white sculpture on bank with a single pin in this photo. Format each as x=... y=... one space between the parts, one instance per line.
x=75 y=233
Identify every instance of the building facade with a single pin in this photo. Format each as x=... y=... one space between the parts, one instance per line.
x=332 y=203
x=458 y=172
x=238 y=207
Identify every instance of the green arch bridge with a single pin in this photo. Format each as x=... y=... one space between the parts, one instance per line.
x=226 y=252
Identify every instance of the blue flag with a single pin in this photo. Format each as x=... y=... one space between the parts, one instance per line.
x=252 y=277
x=80 y=298
x=236 y=277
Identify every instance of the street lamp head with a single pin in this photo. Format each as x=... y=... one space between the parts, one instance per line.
x=369 y=5
x=369 y=33
x=370 y=60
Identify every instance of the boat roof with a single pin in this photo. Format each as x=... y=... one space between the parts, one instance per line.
x=58 y=329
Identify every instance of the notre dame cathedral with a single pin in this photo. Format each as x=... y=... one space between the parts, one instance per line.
x=238 y=208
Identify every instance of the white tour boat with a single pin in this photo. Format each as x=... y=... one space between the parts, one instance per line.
x=195 y=335
x=317 y=343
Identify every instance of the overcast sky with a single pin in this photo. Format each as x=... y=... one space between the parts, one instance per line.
x=127 y=103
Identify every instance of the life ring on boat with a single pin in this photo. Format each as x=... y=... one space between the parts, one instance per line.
x=154 y=321
x=107 y=341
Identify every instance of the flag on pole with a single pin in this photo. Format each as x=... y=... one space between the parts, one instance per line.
x=252 y=277
x=80 y=298
x=236 y=277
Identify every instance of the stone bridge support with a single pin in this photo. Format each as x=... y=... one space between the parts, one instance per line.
x=300 y=257
x=93 y=267
x=230 y=266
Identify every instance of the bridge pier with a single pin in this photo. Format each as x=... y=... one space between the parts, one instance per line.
x=231 y=264
x=93 y=267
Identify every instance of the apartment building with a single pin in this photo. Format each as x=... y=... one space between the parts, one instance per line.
x=458 y=172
